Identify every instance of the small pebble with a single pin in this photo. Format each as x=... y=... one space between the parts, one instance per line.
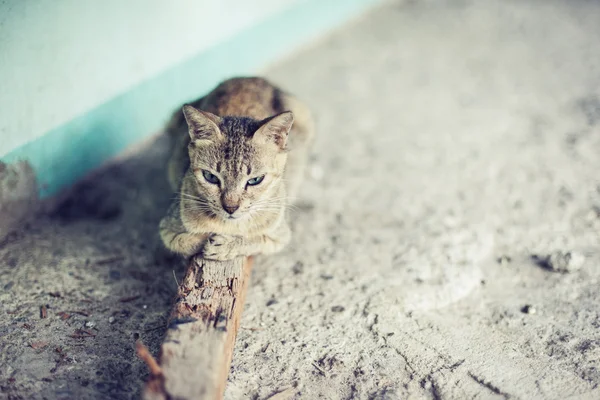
x=111 y=320
x=562 y=262
x=90 y=324
x=593 y=214
x=298 y=268
x=144 y=306
x=528 y=309
x=503 y=260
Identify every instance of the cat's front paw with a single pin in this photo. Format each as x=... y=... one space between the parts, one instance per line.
x=221 y=247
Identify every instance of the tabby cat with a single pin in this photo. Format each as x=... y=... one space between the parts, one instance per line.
x=237 y=160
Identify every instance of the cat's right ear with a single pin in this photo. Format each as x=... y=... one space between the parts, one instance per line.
x=202 y=125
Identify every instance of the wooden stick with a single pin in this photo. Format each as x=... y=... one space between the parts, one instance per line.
x=144 y=354
x=195 y=356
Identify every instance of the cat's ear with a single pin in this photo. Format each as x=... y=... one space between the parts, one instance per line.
x=275 y=129
x=202 y=125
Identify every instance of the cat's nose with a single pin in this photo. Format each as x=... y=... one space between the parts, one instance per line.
x=231 y=208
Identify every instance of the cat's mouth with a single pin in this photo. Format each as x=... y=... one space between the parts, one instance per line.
x=230 y=217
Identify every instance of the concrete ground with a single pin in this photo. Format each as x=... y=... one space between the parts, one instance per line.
x=447 y=242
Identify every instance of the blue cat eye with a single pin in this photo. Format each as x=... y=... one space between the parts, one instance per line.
x=256 y=181
x=211 y=178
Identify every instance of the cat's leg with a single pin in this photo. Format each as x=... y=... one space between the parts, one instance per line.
x=299 y=140
x=176 y=238
x=227 y=247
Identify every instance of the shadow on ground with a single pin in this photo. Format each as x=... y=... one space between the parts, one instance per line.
x=82 y=284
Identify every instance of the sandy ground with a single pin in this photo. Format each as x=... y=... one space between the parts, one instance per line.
x=447 y=241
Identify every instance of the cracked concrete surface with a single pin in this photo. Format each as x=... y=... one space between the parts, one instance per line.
x=458 y=150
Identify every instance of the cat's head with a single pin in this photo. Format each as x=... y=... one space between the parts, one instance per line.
x=238 y=162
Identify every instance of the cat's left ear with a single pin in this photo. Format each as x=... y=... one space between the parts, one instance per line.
x=275 y=129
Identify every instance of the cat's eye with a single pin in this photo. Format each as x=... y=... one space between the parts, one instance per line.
x=211 y=178
x=256 y=181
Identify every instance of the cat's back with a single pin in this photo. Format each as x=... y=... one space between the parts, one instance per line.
x=245 y=97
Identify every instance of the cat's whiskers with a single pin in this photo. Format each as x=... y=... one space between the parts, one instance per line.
x=191 y=196
x=190 y=201
x=204 y=210
x=193 y=203
x=273 y=200
x=273 y=204
x=253 y=222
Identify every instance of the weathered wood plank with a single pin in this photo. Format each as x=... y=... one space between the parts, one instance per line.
x=196 y=354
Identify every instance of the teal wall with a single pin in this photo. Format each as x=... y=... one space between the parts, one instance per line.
x=83 y=80
x=62 y=58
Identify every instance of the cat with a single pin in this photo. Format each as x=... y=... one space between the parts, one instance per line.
x=237 y=159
